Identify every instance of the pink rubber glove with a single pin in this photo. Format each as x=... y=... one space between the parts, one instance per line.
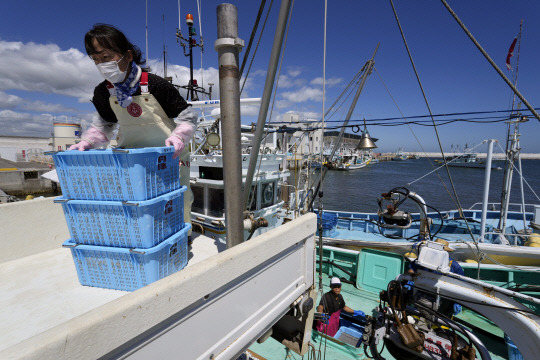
x=178 y=144
x=92 y=138
x=81 y=146
x=180 y=136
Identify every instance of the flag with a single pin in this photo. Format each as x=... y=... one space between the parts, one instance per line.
x=510 y=54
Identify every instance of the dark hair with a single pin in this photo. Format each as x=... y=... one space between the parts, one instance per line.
x=113 y=39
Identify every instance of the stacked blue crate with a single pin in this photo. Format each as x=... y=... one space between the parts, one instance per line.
x=124 y=211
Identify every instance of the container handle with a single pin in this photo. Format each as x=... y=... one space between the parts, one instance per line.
x=70 y=245
x=127 y=203
x=61 y=200
x=117 y=150
x=133 y=251
x=52 y=152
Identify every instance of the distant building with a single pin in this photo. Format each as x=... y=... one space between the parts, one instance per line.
x=348 y=142
x=66 y=134
x=21 y=148
x=302 y=141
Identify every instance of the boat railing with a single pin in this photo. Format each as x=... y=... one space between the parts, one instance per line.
x=505 y=238
x=493 y=206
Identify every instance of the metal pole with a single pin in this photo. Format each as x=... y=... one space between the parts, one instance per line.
x=267 y=93
x=228 y=46
x=522 y=193
x=486 y=190
x=511 y=154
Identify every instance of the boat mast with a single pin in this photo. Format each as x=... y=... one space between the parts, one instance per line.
x=192 y=87
x=512 y=155
x=368 y=67
x=512 y=152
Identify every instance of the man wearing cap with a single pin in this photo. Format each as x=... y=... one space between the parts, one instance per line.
x=332 y=303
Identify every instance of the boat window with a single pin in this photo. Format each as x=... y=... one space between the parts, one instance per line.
x=198 y=199
x=267 y=194
x=29 y=175
x=216 y=202
x=210 y=173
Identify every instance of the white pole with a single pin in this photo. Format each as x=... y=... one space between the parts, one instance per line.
x=486 y=190
x=522 y=193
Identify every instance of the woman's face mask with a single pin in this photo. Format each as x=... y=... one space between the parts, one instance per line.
x=111 y=71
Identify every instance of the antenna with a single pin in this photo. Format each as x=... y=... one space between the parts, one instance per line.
x=147 y=32
x=190 y=42
x=164 y=52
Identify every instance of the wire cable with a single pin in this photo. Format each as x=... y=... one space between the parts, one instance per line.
x=460 y=209
x=257 y=46
x=253 y=32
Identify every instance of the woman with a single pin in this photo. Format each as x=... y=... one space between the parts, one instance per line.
x=143 y=105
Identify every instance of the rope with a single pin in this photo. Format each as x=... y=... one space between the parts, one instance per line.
x=321 y=156
x=517 y=63
x=520 y=174
x=276 y=87
x=431 y=172
x=201 y=36
x=460 y=209
x=257 y=46
x=253 y=32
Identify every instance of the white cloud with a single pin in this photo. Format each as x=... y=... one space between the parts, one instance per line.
x=8 y=101
x=17 y=123
x=329 y=82
x=40 y=106
x=282 y=104
x=303 y=94
x=249 y=110
x=294 y=71
x=47 y=69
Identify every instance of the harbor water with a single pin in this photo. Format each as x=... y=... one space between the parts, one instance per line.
x=358 y=190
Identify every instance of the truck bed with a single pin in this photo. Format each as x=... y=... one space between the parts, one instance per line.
x=214 y=308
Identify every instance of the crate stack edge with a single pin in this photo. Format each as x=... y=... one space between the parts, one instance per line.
x=125 y=214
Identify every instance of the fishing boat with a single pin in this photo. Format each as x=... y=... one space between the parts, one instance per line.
x=478 y=235
x=355 y=230
x=352 y=162
x=467 y=160
x=366 y=289
x=399 y=156
x=207 y=178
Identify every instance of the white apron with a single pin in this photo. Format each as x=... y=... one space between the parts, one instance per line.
x=144 y=123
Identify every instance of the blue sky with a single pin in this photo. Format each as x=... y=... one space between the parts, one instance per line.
x=46 y=73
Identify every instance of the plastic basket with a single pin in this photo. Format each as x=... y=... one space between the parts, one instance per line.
x=513 y=351
x=142 y=224
x=129 y=269
x=117 y=174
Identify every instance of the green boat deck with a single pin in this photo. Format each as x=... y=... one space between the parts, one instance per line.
x=364 y=274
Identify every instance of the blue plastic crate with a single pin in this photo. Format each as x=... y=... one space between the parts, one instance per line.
x=513 y=351
x=129 y=269
x=141 y=224
x=117 y=174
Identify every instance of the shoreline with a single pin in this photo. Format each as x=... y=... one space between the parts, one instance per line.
x=498 y=156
